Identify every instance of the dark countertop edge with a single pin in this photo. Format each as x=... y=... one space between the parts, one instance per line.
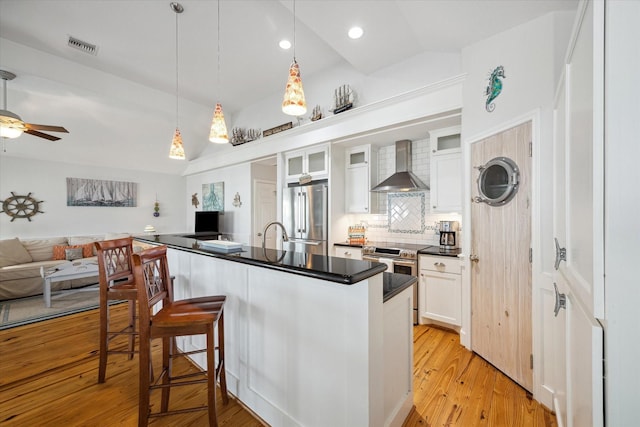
x=428 y=250
x=397 y=282
x=342 y=279
x=347 y=245
x=450 y=253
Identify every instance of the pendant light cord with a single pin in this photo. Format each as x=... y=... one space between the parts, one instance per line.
x=177 y=70
x=294 y=30
x=218 y=82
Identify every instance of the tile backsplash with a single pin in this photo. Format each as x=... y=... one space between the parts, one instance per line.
x=404 y=217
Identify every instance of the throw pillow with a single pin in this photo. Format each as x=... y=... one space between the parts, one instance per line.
x=83 y=240
x=71 y=254
x=60 y=254
x=12 y=253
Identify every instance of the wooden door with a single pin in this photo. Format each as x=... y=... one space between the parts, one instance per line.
x=264 y=211
x=578 y=221
x=501 y=268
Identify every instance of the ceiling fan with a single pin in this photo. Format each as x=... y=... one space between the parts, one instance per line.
x=12 y=126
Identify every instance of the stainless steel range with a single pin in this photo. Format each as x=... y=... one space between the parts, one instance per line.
x=399 y=258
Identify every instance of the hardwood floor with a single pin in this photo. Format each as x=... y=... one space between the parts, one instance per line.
x=48 y=377
x=455 y=387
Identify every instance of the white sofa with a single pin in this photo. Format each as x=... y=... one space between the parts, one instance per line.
x=22 y=259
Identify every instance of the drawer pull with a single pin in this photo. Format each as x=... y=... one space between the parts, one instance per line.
x=439 y=264
x=347 y=253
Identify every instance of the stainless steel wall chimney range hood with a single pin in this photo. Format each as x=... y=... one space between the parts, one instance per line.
x=403 y=179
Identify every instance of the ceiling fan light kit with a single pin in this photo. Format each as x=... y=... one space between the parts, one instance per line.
x=12 y=126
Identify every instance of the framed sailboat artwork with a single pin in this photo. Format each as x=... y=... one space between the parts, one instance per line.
x=97 y=192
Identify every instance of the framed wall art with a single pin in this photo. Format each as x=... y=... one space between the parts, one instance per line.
x=97 y=192
x=213 y=197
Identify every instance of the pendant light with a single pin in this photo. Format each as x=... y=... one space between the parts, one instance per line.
x=294 y=103
x=177 y=149
x=218 y=132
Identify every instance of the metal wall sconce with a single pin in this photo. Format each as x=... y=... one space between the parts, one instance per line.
x=236 y=200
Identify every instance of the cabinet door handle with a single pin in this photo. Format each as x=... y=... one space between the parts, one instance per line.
x=561 y=301
x=474 y=258
x=561 y=254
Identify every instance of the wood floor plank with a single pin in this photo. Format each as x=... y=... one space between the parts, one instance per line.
x=49 y=371
x=455 y=387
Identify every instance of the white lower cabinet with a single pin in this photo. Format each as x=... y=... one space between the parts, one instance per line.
x=440 y=289
x=347 y=252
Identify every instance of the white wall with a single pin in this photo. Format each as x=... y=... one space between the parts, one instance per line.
x=415 y=72
x=622 y=204
x=532 y=55
x=47 y=182
x=235 y=221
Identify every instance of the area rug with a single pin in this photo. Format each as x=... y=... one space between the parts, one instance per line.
x=21 y=311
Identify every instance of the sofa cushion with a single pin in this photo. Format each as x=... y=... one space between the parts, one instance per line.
x=83 y=240
x=42 y=249
x=60 y=251
x=28 y=270
x=12 y=252
x=114 y=236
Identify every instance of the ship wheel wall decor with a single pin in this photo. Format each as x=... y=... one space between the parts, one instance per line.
x=21 y=206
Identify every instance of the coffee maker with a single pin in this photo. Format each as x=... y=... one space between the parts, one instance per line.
x=449 y=235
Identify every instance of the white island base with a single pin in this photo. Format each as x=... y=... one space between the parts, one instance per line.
x=301 y=351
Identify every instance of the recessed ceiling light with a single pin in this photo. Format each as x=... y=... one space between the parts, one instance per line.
x=355 y=32
x=285 y=44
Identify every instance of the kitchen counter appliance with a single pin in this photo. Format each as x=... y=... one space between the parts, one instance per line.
x=304 y=216
x=399 y=258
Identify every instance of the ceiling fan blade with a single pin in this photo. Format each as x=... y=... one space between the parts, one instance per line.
x=41 y=135
x=46 y=127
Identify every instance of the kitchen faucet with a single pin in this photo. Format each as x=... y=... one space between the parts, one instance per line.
x=285 y=237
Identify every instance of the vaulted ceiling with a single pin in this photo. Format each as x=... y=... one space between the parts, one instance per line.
x=135 y=42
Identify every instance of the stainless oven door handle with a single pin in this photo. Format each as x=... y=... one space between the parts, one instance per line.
x=402 y=262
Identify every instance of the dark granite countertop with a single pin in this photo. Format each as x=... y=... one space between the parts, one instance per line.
x=339 y=270
x=421 y=249
x=394 y=283
x=435 y=250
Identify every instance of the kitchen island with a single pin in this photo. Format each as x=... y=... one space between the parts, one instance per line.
x=310 y=340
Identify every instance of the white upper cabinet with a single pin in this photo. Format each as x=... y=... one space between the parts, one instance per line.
x=360 y=176
x=312 y=161
x=446 y=170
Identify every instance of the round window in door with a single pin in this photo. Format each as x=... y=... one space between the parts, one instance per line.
x=498 y=181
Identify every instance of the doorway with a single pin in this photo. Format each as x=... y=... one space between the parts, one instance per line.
x=501 y=274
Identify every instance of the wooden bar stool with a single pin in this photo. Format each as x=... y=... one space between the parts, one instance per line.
x=196 y=316
x=115 y=267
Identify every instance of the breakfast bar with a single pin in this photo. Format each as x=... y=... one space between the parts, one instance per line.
x=310 y=339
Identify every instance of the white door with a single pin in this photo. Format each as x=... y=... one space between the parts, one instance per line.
x=578 y=217
x=264 y=211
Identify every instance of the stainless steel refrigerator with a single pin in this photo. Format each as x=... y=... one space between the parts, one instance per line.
x=304 y=215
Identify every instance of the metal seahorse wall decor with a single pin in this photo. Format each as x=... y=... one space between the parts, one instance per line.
x=494 y=87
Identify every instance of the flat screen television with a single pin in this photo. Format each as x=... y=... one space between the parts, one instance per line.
x=207 y=221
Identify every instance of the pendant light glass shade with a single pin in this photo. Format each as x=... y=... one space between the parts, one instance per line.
x=294 y=103
x=177 y=149
x=218 y=127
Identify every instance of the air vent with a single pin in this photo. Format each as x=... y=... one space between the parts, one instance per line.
x=89 y=48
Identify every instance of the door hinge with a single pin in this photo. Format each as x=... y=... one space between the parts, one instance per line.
x=530 y=149
x=530 y=255
x=531 y=360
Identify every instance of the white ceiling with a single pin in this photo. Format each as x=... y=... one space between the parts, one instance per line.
x=136 y=39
